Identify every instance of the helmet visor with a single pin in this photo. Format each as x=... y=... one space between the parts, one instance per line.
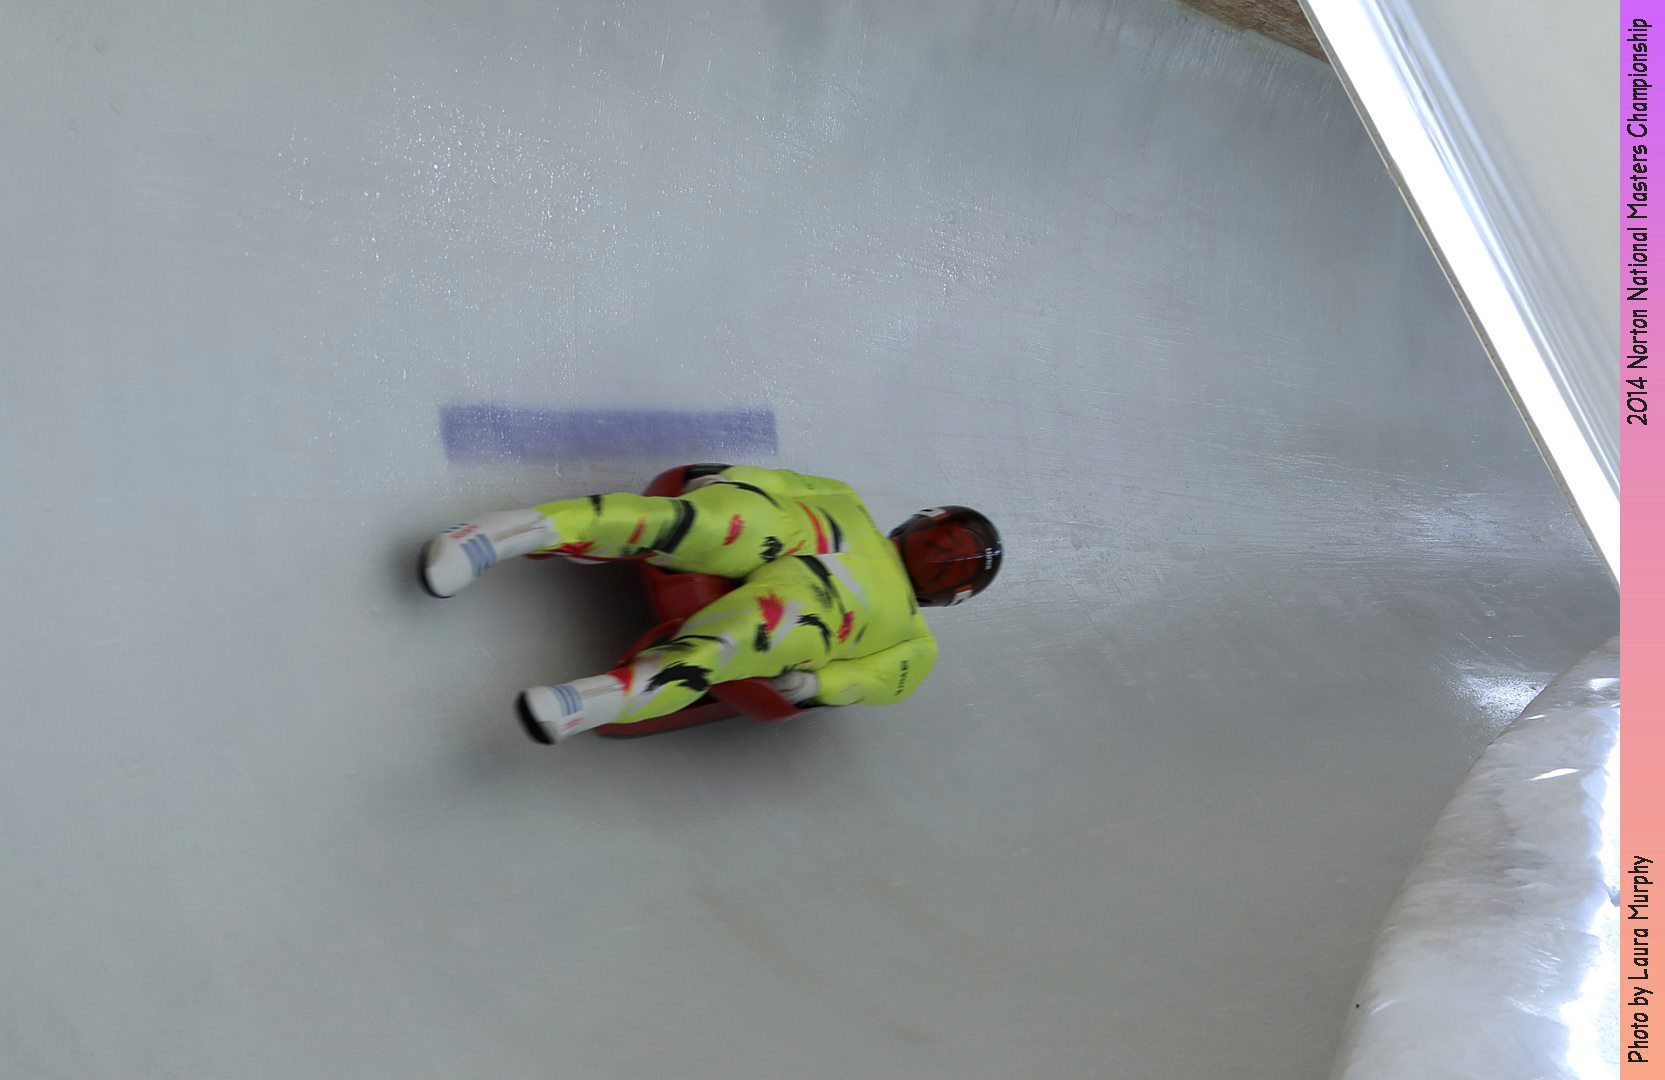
x=950 y=553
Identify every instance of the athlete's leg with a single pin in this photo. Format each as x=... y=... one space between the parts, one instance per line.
x=756 y=630
x=723 y=529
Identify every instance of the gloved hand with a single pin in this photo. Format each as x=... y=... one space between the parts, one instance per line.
x=797 y=686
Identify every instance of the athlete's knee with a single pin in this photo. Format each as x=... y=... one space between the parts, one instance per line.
x=690 y=661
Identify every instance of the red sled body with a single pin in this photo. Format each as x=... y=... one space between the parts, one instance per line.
x=675 y=597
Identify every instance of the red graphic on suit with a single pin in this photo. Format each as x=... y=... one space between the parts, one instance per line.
x=773 y=611
x=821 y=545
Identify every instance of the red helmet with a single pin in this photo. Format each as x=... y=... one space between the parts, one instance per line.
x=951 y=553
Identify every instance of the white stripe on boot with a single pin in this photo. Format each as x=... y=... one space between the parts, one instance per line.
x=454 y=558
x=555 y=713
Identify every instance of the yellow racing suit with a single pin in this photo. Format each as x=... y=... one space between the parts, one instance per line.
x=820 y=588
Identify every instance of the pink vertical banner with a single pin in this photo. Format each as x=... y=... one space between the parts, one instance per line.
x=1642 y=544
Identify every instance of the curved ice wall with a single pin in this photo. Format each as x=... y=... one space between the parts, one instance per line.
x=1501 y=955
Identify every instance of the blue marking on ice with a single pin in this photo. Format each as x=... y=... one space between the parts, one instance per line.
x=492 y=432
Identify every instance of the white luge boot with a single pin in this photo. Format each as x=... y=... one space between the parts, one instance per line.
x=454 y=558
x=554 y=713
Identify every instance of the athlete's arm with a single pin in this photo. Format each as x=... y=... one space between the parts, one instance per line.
x=880 y=678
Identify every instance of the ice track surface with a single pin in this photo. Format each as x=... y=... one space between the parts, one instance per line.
x=1281 y=557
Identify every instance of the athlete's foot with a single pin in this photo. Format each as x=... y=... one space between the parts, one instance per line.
x=552 y=714
x=453 y=559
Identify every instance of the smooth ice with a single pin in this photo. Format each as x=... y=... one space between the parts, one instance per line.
x=1281 y=555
